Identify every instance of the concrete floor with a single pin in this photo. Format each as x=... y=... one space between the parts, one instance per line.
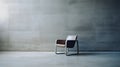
x=49 y=59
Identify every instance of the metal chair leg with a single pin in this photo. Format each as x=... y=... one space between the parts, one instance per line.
x=77 y=47
x=57 y=52
x=56 y=49
x=67 y=50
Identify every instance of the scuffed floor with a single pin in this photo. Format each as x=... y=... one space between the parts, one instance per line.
x=50 y=59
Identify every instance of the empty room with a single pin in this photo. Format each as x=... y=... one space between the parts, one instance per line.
x=59 y=33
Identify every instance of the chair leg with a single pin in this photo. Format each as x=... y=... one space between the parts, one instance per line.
x=67 y=50
x=77 y=47
x=57 y=52
x=56 y=49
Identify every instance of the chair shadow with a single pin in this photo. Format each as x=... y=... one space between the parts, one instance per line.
x=84 y=54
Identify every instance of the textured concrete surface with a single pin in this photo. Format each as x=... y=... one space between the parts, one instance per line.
x=36 y=24
x=50 y=59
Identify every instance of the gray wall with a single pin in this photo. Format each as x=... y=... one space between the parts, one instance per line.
x=36 y=24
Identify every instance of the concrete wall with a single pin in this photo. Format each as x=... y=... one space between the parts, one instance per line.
x=36 y=24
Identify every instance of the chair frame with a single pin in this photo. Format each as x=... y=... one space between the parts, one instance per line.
x=66 y=48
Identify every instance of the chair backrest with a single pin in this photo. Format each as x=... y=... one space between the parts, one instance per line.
x=71 y=37
x=70 y=41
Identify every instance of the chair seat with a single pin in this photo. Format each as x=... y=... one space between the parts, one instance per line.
x=60 y=45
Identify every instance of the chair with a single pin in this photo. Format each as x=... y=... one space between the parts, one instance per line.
x=69 y=42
